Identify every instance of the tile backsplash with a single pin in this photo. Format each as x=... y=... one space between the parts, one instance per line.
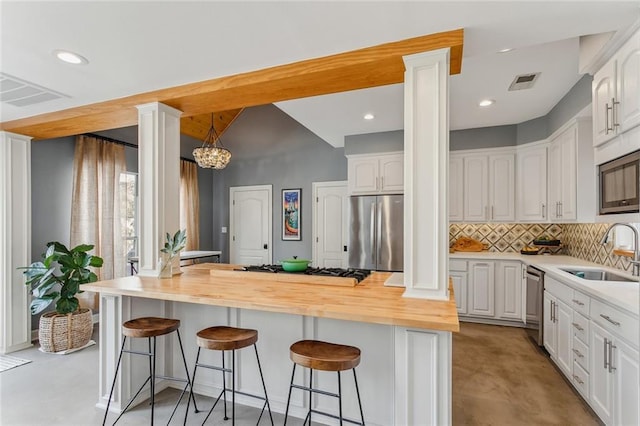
x=581 y=240
x=504 y=237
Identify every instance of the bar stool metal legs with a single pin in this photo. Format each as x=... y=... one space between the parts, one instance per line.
x=228 y=339
x=324 y=356
x=165 y=327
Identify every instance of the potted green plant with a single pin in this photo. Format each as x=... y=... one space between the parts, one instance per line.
x=172 y=247
x=58 y=279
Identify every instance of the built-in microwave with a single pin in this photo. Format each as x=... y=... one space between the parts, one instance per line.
x=620 y=185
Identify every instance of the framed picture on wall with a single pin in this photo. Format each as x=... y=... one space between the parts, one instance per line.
x=291 y=205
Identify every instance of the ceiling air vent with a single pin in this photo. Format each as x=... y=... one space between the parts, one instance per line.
x=20 y=93
x=524 y=81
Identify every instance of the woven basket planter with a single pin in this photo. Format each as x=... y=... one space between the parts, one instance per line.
x=61 y=332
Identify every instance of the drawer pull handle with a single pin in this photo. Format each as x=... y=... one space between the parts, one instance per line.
x=578 y=379
x=577 y=352
x=608 y=318
x=577 y=302
x=577 y=326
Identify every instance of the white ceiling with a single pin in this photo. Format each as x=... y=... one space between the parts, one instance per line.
x=135 y=47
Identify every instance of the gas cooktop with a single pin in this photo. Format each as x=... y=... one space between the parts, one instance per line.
x=358 y=274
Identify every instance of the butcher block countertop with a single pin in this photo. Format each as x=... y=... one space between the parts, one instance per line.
x=369 y=301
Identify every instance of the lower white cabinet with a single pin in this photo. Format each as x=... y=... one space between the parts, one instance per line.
x=489 y=289
x=508 y=291
x=481 y=288
x=615 y=378
x=459 y=279
x=558 y=333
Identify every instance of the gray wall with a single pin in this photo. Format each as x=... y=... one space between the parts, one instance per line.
x=485 y=137
x=572 y=103
x=532 y=130
x=374 y=142
x=269 y=147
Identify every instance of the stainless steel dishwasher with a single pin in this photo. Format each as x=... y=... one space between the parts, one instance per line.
x=535 y=292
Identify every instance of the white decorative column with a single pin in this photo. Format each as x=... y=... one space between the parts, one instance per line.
x=426 y=158
x=15 y=241
x=159 y=181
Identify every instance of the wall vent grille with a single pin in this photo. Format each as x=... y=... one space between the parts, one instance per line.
x=524 y=81
x=17 y=92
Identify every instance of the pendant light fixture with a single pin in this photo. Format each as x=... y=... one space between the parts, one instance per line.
x=212 y=154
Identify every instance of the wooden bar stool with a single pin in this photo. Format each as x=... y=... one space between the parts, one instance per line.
x=317 y=355
x=149 y=327
x=223 y=339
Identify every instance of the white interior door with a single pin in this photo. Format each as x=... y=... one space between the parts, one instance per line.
x=250 y=225
x=330 y=221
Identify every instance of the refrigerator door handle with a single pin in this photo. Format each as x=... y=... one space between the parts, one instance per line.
x=379 y=233
x=372 y=230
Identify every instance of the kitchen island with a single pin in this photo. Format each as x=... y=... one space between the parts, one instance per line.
x=405 y=374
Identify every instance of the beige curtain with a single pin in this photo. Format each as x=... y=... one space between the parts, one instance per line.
x=95 y=212
x=190 y=204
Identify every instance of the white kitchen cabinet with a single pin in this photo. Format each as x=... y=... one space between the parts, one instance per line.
x=508 y=290
x=489 y=188
x=616 y=93
x=558 y=332
x=531 y=180
x=572 y=174
x=626 y=409
x=481 y=288
x=562 y=176
x=476 y=188
x=550 y=329
x=376 y=174
x=601 y=393
x=502 y=191
x=603 y=92
x=459 y=280
x=456 y=194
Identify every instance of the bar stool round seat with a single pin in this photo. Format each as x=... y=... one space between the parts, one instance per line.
x=222 y=338
x=150 y=327
x=325 y=356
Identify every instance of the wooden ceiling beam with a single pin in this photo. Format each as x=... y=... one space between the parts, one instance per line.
x=358 y=69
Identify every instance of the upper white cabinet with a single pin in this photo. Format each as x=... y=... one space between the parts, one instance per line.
x=376 y=174
x=572 y=174
x=476 y=188
x=482 y=187
x=456 y=193
x=616 y=93
x=532 y=183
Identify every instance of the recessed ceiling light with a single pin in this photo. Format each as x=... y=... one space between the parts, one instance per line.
x=508 y=49
x=486 y=102
x=369 y=116
x=70 y=57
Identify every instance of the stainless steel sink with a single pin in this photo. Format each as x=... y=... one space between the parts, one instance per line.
x=597 y=275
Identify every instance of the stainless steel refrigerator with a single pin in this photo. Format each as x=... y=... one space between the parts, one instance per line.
x=376 y=232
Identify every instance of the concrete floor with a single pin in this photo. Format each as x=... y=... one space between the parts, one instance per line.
x=499 y=378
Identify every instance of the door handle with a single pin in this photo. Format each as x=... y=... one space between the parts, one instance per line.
x=607 y=129
x=577 y=326
x=606 y=353
x=561 y=209
x=344 y=248
x=614 y=113
x=265 y=246
x=608 y=318
x=577 y=352
x=612 y=368
x=543 y=211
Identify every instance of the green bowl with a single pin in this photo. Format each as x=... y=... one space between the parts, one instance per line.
x=295 y=265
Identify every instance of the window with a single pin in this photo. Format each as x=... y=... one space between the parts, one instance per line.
x=129 y=212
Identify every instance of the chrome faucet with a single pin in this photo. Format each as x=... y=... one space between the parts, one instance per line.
x=636 y=241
